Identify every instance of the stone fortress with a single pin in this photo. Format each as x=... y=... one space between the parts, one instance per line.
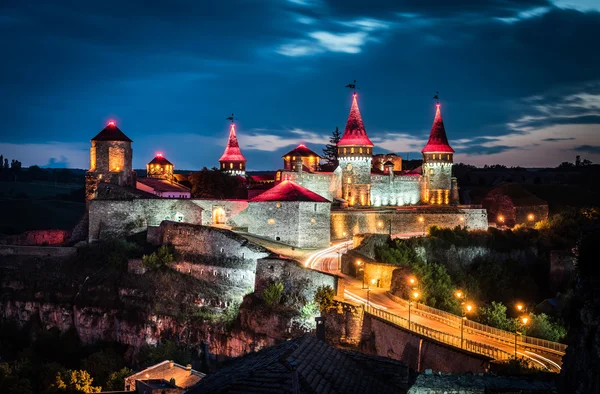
x=306 y=207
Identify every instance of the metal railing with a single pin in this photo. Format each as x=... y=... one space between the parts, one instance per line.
x=453 y=340
x=482 y=329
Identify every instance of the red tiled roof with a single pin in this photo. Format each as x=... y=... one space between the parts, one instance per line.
x=160 y=160
x=288 y=191
x=301 y=150
x=111 y=133
x=263 y=178
x=232 y=150
x=160 y=185
x=438 y=142
x=355 y=133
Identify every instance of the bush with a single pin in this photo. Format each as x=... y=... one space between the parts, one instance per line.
x=162 y=258
x=324 y=297
x=307 y=316
x=116 y=380
x=542 y=326
x=273 y=292
x=494 y=315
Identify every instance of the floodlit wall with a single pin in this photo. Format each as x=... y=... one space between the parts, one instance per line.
x=325 y=184
x=395 y=190
x=345 y=223
x=232 y=211
x=120 y=218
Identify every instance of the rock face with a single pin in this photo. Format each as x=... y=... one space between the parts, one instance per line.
x=581 y=363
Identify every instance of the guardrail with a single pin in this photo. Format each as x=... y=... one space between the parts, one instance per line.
x=453 y=340
x=496 y=333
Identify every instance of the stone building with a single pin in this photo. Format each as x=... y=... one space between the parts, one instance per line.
x=301 y=159
x=160 y=180
x=160 y=168
x=110 y=160
x=291 y=214
x=183 y=377
x=364 y=180
x=233 y=162
x=439 y=187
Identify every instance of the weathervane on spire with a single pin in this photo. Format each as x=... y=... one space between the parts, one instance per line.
x=231 y=118
x=352 y=86
x=437 y=97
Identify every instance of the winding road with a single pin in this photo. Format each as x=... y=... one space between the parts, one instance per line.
x=328 y=260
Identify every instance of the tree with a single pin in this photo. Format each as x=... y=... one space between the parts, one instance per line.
x=324 y=297
x=330 y=153
x=273 y=292
x=495 y=315
x=6 y=164
x=116 y=380
x=162 y=258
x=74 y=382
x=542 y=326
x=101 y=364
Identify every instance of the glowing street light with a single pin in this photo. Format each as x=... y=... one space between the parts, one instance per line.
x=414 y=295
x=524 y=320
x=466 y=309
x=459 y=294
x=519 y=307
x=412 y=281
x=530 y=217
x=501 y=218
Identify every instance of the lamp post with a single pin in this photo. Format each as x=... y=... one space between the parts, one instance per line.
x=414 y=295
x=524 y=320
x=359 y=263
x=422 y=221
x=465 y=309
x=368 y=301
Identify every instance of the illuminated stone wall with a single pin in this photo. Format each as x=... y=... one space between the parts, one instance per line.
x=395 y=190
x=356 y=180
x=438 y=183
x=110 y=161
x=325 y=184
x=232 y=212
x=302 y=224
x=119 y=218
x=296 y=278
x=376 y=221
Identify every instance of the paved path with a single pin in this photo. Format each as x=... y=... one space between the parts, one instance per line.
x=327 y=260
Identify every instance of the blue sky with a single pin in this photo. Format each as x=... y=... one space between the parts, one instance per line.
x=519 y=80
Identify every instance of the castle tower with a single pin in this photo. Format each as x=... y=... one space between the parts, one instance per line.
x=355 y=151
x=233 y=162
x=160 y=168
x=438 y=157
x=110 y=160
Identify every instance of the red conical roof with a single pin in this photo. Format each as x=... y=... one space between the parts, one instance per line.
x=438 y=142
x=355 y=133
x=232 y=150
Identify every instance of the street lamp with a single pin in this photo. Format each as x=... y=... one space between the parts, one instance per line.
x=530 y=217
x=501 y=219
x=373 y=281
x=414 y=295
x=465 y=310
x=524 y=320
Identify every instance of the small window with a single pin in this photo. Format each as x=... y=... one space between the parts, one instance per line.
x=352 y=150
x=271 y=221
x=312 y=221
x=231 y=165
x=240 y=166
x=360 y=150
x=278 y=205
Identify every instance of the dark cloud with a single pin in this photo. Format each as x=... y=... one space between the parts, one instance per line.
x=557 y=139
x=63 y=162
x=486 y=150
x=170 y=73
x=588 y=149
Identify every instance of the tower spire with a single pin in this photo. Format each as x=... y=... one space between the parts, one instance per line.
x=438 y=141
x=355 y=133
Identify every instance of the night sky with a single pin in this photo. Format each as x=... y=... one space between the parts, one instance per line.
x=519 y=80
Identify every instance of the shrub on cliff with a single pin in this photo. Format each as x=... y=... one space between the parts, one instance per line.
x=272 y=294
x=324 y=297
x=162 y=258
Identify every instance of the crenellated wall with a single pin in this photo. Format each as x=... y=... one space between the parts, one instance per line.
x=345 y=223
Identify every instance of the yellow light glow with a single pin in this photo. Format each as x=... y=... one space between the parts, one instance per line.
x=412 y=281
x=271 y=221
x=500 y=218
x=421 y=219
x=380 y=224
x=358 y=262
x=415 y=295
x=459 y=294
x=525 y=319
x=519 y=307
x=461 y=219
x=373 y=281
x=469 y=307
x=531 y=217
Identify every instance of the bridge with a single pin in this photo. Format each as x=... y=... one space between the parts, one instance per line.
x=439 y=325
